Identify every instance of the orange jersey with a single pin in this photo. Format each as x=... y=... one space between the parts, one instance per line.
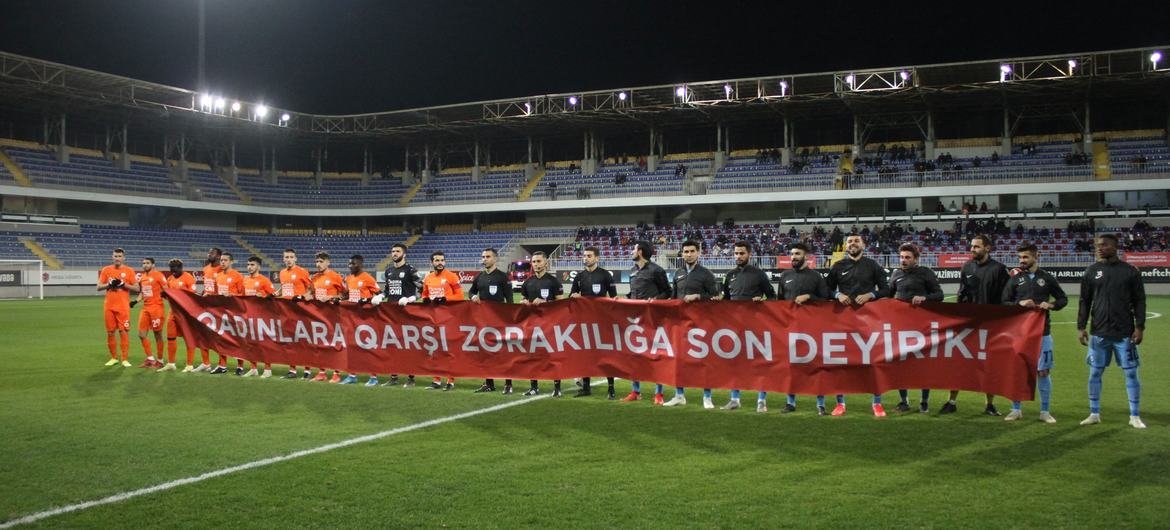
x=294 y=282
x=229 y=283
x=183 y=281
x=443 y=284
x=327 y=285
x=258 y=285
x=209 y=274
x=361 y=286
x=121 y=296
x=152 y=285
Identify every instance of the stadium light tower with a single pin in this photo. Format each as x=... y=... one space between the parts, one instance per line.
x=1004 y=72
x=261 y=111
x=727 y=91
x=783 y=88
x=572 y=101
x=220 y=104
x=1154 y=59
x=235 y=106
x=622 y=96
x=284 y=118
x=205 y=102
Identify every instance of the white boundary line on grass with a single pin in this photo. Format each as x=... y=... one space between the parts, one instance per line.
x=32 y=518
x=1150 y=315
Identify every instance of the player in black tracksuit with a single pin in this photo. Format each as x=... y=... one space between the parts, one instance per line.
x=593 y=281
x=692 y=282
x=539 y=288
x=491 y=285
x=857 y=279
x=981 y=281
x=915 y=284
x=402 y=284
x=801 y=284
x=747 y=282
x=1034 y=287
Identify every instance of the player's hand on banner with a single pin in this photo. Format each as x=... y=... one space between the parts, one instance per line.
x=844 y=299
x=918 y=300
x=863 y=298
x=299 y=298
x=378 y=299
x=1027 y=302
x=405 y=301
x=1083 y=336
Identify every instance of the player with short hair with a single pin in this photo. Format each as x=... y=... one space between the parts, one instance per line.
x=150 y=291
x=981 y=281
x=360 y=288
x=590 y=282
x=692 y=282
x=183 y=281
x=295 y=284
x=1033 y=287
x=210 y=269
x=327 y=287
x=118 y=281
x=857 y=280
x=1114 y=297
x=915 y=284
x=403 y=284
x=538 y=289
x=746 y=282
x=228 y=282
x=492 y=285
x=800 y=284
x=440 y=286
x=647 y=282
x=258 y=285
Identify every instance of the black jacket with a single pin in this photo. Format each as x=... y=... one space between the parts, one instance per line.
x=747 y=282
x=649 y=282
x=401 y=282
x=1113 y=293
x=982 y=283
x=853 y=278
x=1039 y=288
x=698 y=281
x=917 y=281
x=795 y=282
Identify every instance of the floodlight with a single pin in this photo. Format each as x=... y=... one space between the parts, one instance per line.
x=284 y=117
x=205 y=100
x=1072 y=64
x=1003 y=68
x=1154 y=58
x=622 y=96
x=849 y=79
x=680 y=91
x=528 y=108
x=235 y=106
x=904 y=75
x=783 y=88
x=727 y=90
x=261 y=111
x=572 y=101
x=220 y=103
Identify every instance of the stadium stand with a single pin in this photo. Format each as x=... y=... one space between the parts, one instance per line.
x=90 y=172
x=457 y=186
x=1139 y=155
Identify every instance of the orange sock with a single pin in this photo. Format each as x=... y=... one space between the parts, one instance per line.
x=437 y=380
x=222 y=360
x=253 y=366
x=124 y=344
x=113 y=346
x=206 y=356
x=240 y=363
x=146 y=347
x=159 y=348
x=171 y=347
x=190 y=354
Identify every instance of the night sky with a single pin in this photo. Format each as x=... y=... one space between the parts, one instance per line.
x=355 y=56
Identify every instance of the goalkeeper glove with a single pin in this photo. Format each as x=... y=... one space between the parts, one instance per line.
x=378 y=299
x=407 y=300
x=115 y=283
x=133 y=303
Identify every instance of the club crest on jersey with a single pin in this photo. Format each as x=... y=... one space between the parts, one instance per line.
x=294 y=276
x=544 y=293
x=1100 y=274
x=596 y=289
x=402 y=275
x=1040 y=282
x=493 y=289
x=327 y=282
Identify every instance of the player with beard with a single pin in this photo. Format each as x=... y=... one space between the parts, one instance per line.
x=541 y=288
x=360 y=289
x=491 y=285
x=1033 y=287
x=693 y=282
x=593 y=282
x=857 y=280
x=440 y=286
x=185 y=281
x=914 y=284
x=151 y=286
x=402 y=287
x=210 y=270
x=117 y=280
x=981 y=281
x=647 y=282
x=746 y=282
x=800 y=284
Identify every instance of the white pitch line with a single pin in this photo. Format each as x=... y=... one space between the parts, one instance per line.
x=32 y=518
x=1150 y=315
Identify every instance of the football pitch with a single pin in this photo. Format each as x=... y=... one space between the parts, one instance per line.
x=76 y=431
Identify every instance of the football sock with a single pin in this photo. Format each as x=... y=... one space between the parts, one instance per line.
x=205 y=355
x=1133 y=389
x=173 y=345
x=636 y=386
x=820 y=401
x=735 y=394
x=1095 y=389
x=113 y=346
x=877 y=399
x=707 y=393
x=761 y=396
x=658 y=388
x=1044 y=384
x=124 y=344
x=791 y=400
x=678 y=390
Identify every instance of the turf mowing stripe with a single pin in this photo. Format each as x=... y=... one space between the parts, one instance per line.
x=32 y=518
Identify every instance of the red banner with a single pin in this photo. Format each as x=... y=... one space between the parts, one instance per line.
x=1147 y=259
x=821 y=348
x=952 y=261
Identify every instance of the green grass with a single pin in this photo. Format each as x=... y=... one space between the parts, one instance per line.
x=74 y=430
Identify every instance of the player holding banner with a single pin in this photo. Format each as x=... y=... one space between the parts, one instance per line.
x=361 y=288
x=229 y=282
x=1113 y=295
x=541 y=288
x=440 y=286
x=857 y=279
x=692 y=282
x=257 y=285
x=150 y=288
x=327 y=287
x=1033 y=287
x=402 y=287
x=210 y=270
x=593 y=282
x=117 y=280
x=981 y=281
x=184 y=281
x=800 y=284
x=746 y=282
x=914 y=284
x=295 y=284
x=492 y=285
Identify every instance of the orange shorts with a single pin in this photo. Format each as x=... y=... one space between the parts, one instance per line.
x=118 y=318
x=173 y=327
x=152 y=318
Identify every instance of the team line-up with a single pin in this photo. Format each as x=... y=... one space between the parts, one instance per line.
x=1112 y=300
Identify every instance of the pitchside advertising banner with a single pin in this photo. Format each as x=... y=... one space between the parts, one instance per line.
x=10 y=278
x=819 y=348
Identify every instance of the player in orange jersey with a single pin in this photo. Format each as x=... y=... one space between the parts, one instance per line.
x=185 y=281
x=117 y=280
x=259 y=286
x=210 y=270
x=327 y=287
x=295 y=284
x=440 y=286
x=150 y=287
x=361 y=288
x=228 y=282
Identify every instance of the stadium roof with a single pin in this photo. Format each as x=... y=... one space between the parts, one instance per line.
x=1068 y=79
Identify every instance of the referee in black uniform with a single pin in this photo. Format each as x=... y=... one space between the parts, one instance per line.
x=492 y=285
x=539 y=288
x=593 y=281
